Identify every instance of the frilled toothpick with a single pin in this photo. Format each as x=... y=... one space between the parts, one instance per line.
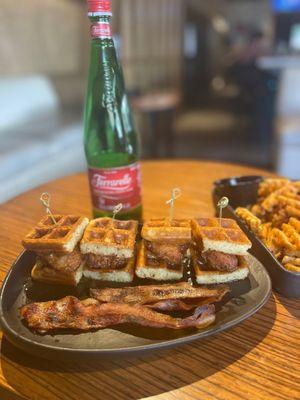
x=117 y=209
x=45 y=199
x=222 y=203
x=175 y=193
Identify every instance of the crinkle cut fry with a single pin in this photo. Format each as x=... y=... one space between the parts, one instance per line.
x=268 y=186
x=286 y=195
x=285 y=201
x=291 y=260
x=292 y=235
x=258 y=211
x=265 y=231
x=280 y=239
x=279 y=217
x=293 y=212
x=292 y=267
x=71 y=313
x=251 y=220
x=296 y=184
x=295 y=224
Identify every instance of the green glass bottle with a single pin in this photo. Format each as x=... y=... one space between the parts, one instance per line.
x=110 y=140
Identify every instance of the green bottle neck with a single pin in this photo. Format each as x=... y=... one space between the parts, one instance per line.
x=101 y=29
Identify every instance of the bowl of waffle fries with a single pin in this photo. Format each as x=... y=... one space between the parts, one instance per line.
x=274 y=222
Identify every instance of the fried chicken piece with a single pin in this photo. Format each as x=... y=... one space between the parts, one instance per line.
x=168 y=252
x=99 y=261
x=221 y=261
x=66 y=261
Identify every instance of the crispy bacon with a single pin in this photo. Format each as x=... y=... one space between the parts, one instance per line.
x=72 y=313
x=181 y=305
x=155 y=293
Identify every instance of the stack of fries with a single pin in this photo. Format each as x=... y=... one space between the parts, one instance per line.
x=275 y=218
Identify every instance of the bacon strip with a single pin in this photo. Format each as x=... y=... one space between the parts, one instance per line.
x=181 y=305
x=71 y=313
x=155 y=293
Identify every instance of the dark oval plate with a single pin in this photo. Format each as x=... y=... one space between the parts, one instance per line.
x=245 y=299
x=242 y=192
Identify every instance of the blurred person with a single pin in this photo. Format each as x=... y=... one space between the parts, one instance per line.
x=257 y=86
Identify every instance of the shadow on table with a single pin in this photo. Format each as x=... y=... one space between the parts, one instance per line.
x=290 y=305
x=5 y=394
x=134 y=377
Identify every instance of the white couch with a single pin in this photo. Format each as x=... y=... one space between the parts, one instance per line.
x=38 y=141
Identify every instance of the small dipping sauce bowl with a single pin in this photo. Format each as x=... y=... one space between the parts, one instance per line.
x=241 y=191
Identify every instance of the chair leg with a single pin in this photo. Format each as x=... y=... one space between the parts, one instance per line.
x=168 y=133
x=153 y=125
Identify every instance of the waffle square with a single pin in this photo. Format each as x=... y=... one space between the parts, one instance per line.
x=161 y=271
x=46 y=274
x=224 y=236
x=106 y=236
x=208 y=277
x=125 y=274
x=178 y=230
x=60 y=237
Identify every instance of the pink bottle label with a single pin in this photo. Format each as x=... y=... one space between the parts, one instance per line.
x=111 y=186
x=101 y=30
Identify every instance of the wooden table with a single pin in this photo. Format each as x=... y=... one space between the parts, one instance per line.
x=258 y=359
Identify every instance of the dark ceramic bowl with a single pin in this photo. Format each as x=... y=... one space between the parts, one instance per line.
x=241 y=191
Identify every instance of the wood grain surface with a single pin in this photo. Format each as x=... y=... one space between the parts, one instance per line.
x=258 y=359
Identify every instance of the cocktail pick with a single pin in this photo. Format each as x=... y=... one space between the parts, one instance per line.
x=222 y=203
x=175 y=193
x=45 y=199
x=117 y=209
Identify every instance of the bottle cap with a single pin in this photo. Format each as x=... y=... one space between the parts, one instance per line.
x=99 y=7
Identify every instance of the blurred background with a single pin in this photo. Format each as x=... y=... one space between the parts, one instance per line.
x=217 y=79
